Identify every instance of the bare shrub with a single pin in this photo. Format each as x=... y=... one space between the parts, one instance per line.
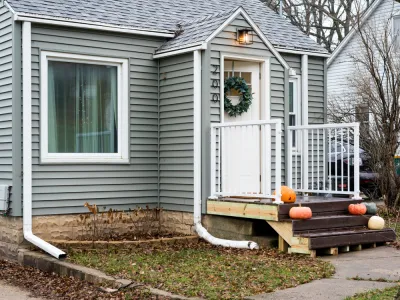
x=110 y=224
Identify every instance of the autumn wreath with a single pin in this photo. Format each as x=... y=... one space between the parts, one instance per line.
x=239 y=84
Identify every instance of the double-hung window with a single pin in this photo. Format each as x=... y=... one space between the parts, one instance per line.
x=294 y=108
x=84 y=109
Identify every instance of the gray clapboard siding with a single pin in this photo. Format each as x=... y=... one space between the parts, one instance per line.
x=341 y=71
x=61 y=189
x=294 y=61
x=176 y=132
x=316 y=90
x=226 y=43
x=6 y=80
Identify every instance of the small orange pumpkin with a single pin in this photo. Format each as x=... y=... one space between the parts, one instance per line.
x=300 y=213
x=357 y=209
x=288 y=195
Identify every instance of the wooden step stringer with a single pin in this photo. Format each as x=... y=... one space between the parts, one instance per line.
x=289 y=243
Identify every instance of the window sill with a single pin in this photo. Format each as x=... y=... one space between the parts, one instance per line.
x=84 y=160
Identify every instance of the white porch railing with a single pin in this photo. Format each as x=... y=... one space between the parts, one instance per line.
x=244 y=160
x=324 y=158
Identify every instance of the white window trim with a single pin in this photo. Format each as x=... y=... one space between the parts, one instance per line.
x=123 y=111
x=297 y=109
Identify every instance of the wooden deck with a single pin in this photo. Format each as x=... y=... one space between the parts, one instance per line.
x=331 y=229
x=265 y=209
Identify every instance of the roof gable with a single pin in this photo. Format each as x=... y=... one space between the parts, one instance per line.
x=200 y=32
x=195 y=32
x=163 y=16
x=367 y=14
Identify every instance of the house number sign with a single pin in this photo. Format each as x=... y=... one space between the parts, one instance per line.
x=215 y=84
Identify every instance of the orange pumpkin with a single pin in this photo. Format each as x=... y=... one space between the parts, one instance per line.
x=357 y=209
x=300 y=213
x=288 y=195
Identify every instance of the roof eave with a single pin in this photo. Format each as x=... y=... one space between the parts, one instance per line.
x=89 y=25
x=181 y=50
x=303 y=52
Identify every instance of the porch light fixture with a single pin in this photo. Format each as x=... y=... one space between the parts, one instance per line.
x=244 y=36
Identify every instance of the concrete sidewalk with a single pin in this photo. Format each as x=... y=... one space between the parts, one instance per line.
x=9 y=292
x=378 y=263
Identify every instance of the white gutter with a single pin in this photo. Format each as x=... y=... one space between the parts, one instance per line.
x=201 y=231
x=177 y=51
x=88 y=25
x=299 y=52
x=27 y=146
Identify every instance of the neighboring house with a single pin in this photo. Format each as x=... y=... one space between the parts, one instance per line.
x=113 y=102
x=341 y=66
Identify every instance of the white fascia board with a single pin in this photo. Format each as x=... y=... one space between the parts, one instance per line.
x=257 y=30
x=88 y=25
x=188 y=48
x=299 y=52
x=9 y=7
x=350 y=35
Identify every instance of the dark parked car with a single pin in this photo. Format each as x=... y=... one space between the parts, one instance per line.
x=341 y=161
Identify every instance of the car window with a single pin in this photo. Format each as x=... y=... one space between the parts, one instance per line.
x=338 y=148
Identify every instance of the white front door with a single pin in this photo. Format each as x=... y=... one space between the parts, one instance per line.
x=241 y=159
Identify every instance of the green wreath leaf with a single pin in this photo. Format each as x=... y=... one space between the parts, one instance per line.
x=239 y=84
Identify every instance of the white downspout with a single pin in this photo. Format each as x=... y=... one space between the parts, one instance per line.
x=27 y=146
x=201 y=231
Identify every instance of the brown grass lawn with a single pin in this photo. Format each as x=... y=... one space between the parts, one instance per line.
x=202 y=270
x=386 y=294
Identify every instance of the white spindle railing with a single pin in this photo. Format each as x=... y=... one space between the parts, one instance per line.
x=242 y=159
x=316 y=158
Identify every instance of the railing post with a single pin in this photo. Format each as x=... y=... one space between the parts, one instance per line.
x=357 y=161
x=213 y=153
x=304 y=166
x=268 y=157
x=290 y=158
x=278 y=163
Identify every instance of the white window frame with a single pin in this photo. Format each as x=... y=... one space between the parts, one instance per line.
x=296 y=80
x=123 y=111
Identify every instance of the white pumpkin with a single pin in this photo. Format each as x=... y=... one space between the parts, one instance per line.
x=376 y=223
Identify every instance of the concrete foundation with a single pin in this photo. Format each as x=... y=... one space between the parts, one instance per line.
x=75 y=227
x=241 y=229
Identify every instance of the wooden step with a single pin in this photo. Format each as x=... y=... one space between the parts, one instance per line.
x=349 y=238
x=341 y=229
x=328 y=207
x=329 y=222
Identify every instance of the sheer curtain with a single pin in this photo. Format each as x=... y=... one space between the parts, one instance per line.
x=82 y=108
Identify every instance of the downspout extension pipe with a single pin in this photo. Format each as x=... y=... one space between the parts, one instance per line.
x=201 y=231
x=27 y=149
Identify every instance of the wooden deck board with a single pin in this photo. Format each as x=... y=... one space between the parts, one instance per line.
x=329 y=222
x=351 y=239
x=242 y=209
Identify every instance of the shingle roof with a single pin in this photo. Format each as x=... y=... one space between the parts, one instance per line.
x=164 y=15
x=197 y=30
